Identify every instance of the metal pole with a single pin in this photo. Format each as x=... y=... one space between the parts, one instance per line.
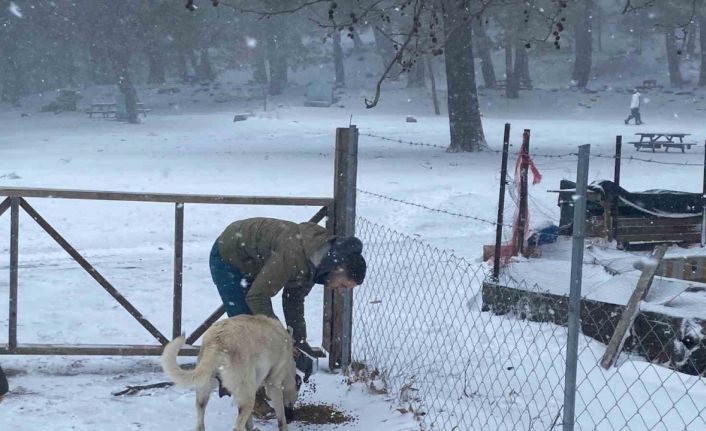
x=14 y=265
x=616 y=180
x=178 y=268
x=703 y=203
x=575 y=295
x=338 y=308
x=348 y=229
x=524 y=168
x=501 y=203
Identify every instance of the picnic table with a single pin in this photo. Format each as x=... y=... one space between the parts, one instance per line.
x=108 y=109
x=655 y=140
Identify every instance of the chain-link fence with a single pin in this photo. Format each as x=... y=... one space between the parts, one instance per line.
x=464 y=354
x=420 y=327
x=658 y=382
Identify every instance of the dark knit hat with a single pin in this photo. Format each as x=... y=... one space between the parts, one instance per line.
x=346 y=253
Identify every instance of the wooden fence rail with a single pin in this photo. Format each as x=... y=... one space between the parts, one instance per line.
x=16 y=200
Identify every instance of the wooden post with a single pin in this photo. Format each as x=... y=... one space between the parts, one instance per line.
x=524 y=168
x=340 y=306
x=14 y=265
x=501 y=203
x=616 y=179
x=703 y=204
x=178 y=268
x=633 y=307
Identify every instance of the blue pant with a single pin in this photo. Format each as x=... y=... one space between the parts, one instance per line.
x=231 y=284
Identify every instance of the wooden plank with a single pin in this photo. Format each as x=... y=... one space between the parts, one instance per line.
x=14 y=266
x=93 y=272
x=162 y=197
x=4 y=205
x=655 y=230
x=92 y=350
x=210 y=320
x=675 y=237
x=178 y=268
x=633 y=307
x=320 y=214
x=633 y=221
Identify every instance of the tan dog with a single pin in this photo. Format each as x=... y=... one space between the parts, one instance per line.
x=244 y=353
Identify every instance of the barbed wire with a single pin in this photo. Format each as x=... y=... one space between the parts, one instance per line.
x=535 y=155
x=639 y=159
x=438 y=210
x=401 y=141
x=455 y=214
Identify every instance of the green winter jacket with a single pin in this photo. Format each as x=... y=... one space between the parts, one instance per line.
x=276 y=254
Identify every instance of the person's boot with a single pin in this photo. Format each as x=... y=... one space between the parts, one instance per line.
x=626 y=121
x=4 y=387
x=262 y=409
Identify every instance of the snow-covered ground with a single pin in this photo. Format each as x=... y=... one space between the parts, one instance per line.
x=187 y=147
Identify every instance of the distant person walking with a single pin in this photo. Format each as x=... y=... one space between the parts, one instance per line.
x=635 y=108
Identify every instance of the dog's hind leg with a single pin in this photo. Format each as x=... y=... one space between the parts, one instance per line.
x=277 y=398
x=202 y=395
x=245 y=406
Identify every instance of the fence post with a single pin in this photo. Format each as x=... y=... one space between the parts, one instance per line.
x=14 y=265
x=575 y=294
x=616 y=180
x=524 y=168
x=338 y=308
x=703 y=203
x=178 y=268
x=501 y=203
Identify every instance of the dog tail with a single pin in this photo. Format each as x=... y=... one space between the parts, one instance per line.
x=197 y=377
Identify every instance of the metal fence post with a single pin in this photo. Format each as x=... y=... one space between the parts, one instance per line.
x=575 y=296
x=524 y=168
x=616 y=179
x=340 y=306
x=501 y=203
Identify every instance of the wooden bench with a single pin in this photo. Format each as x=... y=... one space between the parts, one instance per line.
x=108 y=110
x=657 y=140
x=656 y=145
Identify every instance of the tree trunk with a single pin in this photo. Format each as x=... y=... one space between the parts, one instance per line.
x=205 y=69
x=434 y=97
x=465 y=124
x=599 y=26
x=121 y=61
x=521 y=66
x=486 y=60
x=13 y=85
x=416 y=78
x=259 y=56
x=100 y=66
x=386 y=49
x=512 y=84
x=182 y=68
x=702 y=48
x=582 y=63
x=525 y=77
x=277 y=57
x=155 y=61
x=338 y=60
x=691 y=40
x=357 y=41
x=675 y=78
